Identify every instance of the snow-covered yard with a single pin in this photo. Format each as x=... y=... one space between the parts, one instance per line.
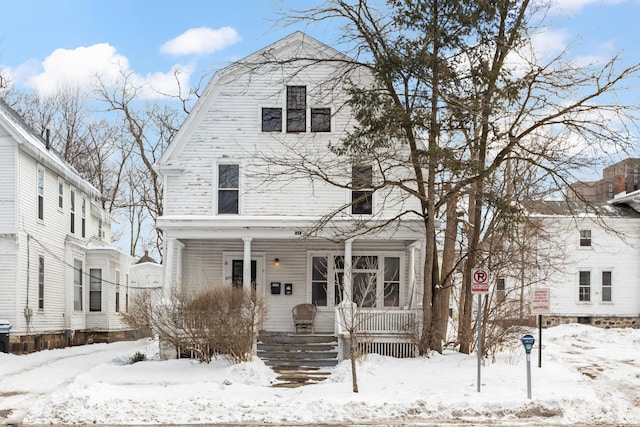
x=588 y=376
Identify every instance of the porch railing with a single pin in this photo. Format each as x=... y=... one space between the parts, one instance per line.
x=383 y=331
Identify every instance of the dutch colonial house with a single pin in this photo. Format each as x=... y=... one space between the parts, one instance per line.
x=592 y=252
x=61 y=281
x=242 y=207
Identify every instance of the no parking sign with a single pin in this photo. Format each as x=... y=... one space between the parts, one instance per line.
x=480 y=281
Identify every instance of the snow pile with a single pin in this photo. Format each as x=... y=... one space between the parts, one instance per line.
x=588 y=375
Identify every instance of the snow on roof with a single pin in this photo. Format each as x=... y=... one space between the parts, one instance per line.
x=572 y=208
x=37 y=147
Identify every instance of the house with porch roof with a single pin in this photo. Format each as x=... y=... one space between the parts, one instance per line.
x=61 y=280
x=242 y=207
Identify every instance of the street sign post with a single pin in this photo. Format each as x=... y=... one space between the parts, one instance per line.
x=540 y=304
x=528 y=341
x=479 y=286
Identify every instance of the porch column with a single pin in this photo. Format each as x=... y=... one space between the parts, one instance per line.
x=412 y=272
x=168 y=268
x=347 y=295
x=246 y=263
x=178 y=246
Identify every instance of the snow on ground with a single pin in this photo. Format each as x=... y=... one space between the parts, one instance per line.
x=588 y=376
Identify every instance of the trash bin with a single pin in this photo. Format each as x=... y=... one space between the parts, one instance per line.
x=5 y=327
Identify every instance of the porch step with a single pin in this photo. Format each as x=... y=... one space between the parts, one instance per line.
x=298 y=358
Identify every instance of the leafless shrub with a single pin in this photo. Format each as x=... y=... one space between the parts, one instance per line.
x=215 y=321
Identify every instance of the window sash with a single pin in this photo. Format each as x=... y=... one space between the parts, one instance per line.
x=584 y=291
x=77 y=285
x=41 y=282
x=585 y=237
x=321 y=120
x=296 y=108
x=40 y=185
x=606 y=286
x=272 y=119
x=228 y=188
x=95 y=289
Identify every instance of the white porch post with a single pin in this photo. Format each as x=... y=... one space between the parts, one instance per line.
x=347 y=295
x=246 y=263
x=412 y=273
x=178 y=247
x=168 y=268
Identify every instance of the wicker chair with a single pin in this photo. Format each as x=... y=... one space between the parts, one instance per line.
x=303 y=315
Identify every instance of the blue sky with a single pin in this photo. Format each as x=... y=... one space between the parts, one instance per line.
x=47 y=41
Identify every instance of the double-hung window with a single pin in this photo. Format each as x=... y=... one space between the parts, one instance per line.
x=60 y=194
x=585 y=237
x=272 y=119
x=362 y=195
x=83 y=212
x=117 y=291
x=77 y=285
x=606 y=286
x=73 y=210
x=584 y=287
x=40 y=186
x=95 y=289
x=228 y=189
x=296 y=108
x=41 y=282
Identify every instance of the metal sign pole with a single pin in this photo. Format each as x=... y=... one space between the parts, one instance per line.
x=479 y=345
x=540 y=341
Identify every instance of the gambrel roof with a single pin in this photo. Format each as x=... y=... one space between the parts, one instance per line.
x=297 y=47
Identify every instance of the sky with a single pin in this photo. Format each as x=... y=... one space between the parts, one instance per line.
x=46 y=42
x=589 y=376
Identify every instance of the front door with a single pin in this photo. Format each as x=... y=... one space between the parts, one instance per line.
x=237 y=267
x=233 y=266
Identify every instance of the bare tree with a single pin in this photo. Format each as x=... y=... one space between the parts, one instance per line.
x=447 y=90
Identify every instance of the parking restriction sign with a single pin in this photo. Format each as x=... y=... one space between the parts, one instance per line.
x=479 y=281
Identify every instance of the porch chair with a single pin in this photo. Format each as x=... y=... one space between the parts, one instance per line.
x=303 y=315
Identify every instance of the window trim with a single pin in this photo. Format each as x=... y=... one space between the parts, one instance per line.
x=72 y=210
x=95 y=280
x=584 y=297
x=585 y=238
x=298 y=109
x=229 y=189
x=262 y=119
x=41 y=279
x=361 y=193
x=609 y=285
x=40 y=191
x=326 y=126
x=78 y=273
x=60 y=194
x=332 y=282
x=83 y=216
x=117 y=291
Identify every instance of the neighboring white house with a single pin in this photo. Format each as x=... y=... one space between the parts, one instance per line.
x=595 y=276
x=61 y=281
x=146 y=275
x=232 y=216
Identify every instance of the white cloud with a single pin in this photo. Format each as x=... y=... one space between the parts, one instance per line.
x=568 y=7
x=79 y=68
x=201 y=41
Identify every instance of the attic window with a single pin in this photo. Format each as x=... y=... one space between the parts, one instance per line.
x=296 y=108
x=585 y=237
x=321 y=120
x=272 y=119
x=228 y=188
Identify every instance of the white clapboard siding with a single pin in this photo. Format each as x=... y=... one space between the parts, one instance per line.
x=8 y=276
x=203 y=267
x=8 y=155
x=609 y=251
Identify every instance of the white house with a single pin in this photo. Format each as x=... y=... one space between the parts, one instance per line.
x=596 y=277
x=61 y=281
x=241 y=208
